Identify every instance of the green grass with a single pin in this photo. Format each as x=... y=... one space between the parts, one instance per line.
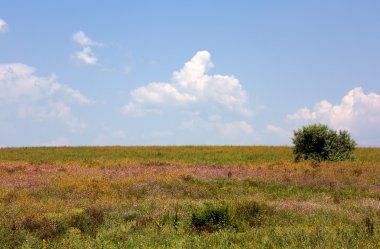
x=128 y=155
x=186 y=197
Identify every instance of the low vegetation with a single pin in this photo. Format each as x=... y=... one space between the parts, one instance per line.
x=186 y=197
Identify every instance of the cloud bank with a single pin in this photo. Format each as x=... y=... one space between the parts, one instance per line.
x=190 y=86
x=358 y=112
x=195 y=106
x=28 y=96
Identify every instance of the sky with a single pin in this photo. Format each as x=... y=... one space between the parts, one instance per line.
x=76 y=73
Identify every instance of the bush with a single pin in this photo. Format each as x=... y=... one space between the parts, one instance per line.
x=211 y=218
x=318 y=142
x=88 y=220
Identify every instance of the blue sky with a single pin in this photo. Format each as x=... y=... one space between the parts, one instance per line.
x=187 y=72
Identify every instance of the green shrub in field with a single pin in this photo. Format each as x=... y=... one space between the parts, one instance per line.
x=211 y=218
x=88 y=220
x=318 y=142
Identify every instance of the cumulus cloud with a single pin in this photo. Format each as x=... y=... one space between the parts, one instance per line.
x=3 y=26
x=75 y=96
x=81 y=38
x=191 y=86
x=86 y=56
x=357 y=112
x=27 y=95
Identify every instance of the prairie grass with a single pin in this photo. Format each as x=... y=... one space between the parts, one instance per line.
x=186 y=197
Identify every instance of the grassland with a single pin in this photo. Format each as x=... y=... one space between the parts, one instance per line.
x=186 y=197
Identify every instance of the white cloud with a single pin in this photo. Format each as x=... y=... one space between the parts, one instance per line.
x=18 y=81
x=27 y=95
x=75 y=95
x=161 y=93
x=86 y=56
x=191 y=86
x=81 y=38
x=54 y=110
x=357 y=112
x=3 y=26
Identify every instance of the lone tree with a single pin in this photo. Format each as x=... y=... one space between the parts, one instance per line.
x=319 y=142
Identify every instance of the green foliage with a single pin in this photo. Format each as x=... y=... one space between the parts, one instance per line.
x=211 y=218
x=88 y=220
x=239 y=215
x=146 y=155
x=320 y=143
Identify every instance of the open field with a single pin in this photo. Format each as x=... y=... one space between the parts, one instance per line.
x=186 y=197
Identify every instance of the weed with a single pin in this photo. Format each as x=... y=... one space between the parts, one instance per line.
x=188 y=178
x=130 y=216
x=42 y=227
x=357 y=172
x=176 y=218
x=315 y=164
x=229 y=174
x=251 y=212
x=369 y=226
x=337 y=197
x=143 y=221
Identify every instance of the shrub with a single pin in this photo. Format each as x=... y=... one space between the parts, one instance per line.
x=369 y=226
x=211 y=218
x=318 y=142
x=88 y=220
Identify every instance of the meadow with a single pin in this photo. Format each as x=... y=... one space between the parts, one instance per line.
x=186 y=197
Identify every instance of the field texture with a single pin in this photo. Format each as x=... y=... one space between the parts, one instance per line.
x=186 y=197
